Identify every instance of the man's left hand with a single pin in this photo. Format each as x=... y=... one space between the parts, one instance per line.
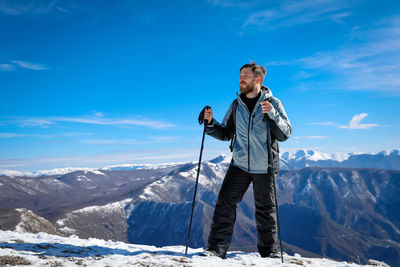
x=266 y=106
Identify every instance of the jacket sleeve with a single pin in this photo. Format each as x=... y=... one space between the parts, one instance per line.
x=224 y=131
x=279 y=122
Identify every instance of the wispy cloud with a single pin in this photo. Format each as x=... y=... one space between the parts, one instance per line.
x=7 y=67
x=369 y=61
x=95 y=120
x=18 y=7
x=15 y=135
x=26 y=122
x=354 y=123
x=29 y=65
x=70 y=134
x=293 y=13
x=328 y=123
x=231 y=3
x=317 y=137
x=110 y=142
x=118 y=142
x=301 y=75
x=19 y=135
x=117 y=122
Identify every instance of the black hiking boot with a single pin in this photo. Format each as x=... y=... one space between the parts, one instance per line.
x=212 y=253
x=270 y=254
x=274 y=255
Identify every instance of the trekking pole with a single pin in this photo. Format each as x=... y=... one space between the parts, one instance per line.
x=273 y=178
x=201 y=120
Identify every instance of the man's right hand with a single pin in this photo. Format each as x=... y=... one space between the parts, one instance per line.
x=208 y=115
x=205 y=115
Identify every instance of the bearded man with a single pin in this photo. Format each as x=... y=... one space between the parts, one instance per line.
x=245 y=126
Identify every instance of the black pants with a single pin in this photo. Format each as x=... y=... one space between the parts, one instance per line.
x=233 y=188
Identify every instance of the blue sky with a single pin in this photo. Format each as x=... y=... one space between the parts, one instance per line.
x=97 y=83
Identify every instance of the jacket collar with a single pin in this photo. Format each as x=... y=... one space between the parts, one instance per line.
x=265 y=92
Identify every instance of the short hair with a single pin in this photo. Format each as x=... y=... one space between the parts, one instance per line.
x=258 y=70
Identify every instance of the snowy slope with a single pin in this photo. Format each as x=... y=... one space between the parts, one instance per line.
x=84 y=222
x=43 y=249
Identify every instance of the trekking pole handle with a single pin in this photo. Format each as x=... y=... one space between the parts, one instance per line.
x=201 y=116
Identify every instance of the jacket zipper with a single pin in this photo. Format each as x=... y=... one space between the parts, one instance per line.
x=248 y=135
x=248 y=144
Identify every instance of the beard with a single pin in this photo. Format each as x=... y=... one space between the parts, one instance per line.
x=246 y=87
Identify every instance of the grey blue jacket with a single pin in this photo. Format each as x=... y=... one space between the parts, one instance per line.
x=250 y=147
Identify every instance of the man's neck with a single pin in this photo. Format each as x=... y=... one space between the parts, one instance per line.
x=254 y=93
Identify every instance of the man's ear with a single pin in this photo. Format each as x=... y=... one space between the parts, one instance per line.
x=259 y=79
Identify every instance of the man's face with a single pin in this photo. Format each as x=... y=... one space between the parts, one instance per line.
x=247 y=81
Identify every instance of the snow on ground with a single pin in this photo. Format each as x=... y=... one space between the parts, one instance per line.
x=44 y=249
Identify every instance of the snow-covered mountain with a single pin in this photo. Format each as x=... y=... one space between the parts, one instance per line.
x=298 y=159
x=42 y=249
x=313 y=155
x=62 y=171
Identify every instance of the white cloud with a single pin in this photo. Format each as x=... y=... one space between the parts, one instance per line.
x=17 y=7
x=369 y=61
x=231 y=3
x=117 y=122
x=355 y=123
x=14 y=135
x=301 y=75
x=150 y=140
x=98 y=114
x=292 y=13
x=7 y=67
x=110 y=142
x=96 y=120
x=70 y=134
x=26 y=122
x=328 y=123
x=29 y=65
x=317 y=137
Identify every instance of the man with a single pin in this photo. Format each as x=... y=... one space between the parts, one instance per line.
x=245 y=125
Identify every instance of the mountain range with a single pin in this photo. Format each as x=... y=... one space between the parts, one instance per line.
x=294 y=160
x=289 y=160
x=345 y=213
